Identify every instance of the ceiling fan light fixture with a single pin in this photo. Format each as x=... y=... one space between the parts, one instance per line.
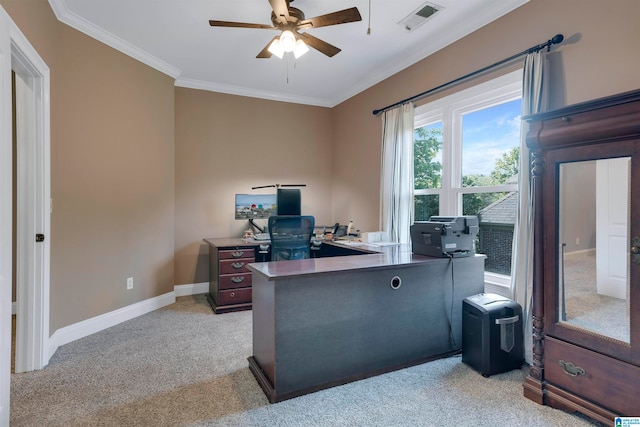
x=276 y=48
x=300 y=49
x=287 y=41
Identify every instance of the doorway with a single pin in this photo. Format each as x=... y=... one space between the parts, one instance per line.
x=32 y=201
x=32 y=215
x=32 y=207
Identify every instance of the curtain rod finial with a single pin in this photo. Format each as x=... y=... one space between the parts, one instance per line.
x=558 y=38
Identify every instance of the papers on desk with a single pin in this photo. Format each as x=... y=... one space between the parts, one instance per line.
x=349 y=242
x=356 y=243
x=378 y=238
x=384 y=244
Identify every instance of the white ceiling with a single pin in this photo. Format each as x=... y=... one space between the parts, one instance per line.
x=175 y=37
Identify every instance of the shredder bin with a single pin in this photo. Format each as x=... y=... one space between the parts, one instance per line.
x=491 y=334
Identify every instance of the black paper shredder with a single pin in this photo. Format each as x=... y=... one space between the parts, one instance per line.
x=491 y=334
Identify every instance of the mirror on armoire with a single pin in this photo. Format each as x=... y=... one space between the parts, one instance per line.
x=592 y=247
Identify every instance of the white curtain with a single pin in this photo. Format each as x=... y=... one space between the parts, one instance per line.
x=396 y=192
x=522 y=255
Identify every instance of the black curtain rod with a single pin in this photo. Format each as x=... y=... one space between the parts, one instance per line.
x=558 y=38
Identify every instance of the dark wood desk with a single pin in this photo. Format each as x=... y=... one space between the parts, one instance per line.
x=229 y=278
x=322 y=322
x=230 y=281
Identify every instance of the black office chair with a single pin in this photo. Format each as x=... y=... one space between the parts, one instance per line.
x=290 y=236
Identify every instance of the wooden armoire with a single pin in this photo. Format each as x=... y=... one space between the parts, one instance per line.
x=585 y=169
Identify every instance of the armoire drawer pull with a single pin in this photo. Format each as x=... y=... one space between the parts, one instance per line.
x=237 y=279
x=237 y=254
x=571 y=369
x=237 y=265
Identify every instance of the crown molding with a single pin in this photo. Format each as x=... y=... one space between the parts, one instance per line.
x=445 y=38
x=252 y=93
x=66 y=16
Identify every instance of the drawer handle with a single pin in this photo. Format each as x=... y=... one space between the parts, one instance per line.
x=237 y=265
x=232 y=294
x=237 y=279
x=571 y=369
x=237 y=254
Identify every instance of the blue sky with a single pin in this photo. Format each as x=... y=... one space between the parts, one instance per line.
x=487 y=134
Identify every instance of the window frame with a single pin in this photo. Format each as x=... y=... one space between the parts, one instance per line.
x=450 y=110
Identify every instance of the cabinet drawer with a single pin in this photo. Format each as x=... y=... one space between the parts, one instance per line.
x=236 y=253
x=234 y=266
x=602 y=379
x=231 y=281
x=235 y=296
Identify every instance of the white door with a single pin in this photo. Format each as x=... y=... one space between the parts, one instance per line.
x=612 y=215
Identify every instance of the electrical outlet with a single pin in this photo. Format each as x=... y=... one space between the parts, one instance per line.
x=129 y=283
x=577 y=241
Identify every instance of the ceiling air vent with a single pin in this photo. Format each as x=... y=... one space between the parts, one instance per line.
x=419 y=16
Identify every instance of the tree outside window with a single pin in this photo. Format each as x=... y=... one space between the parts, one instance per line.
x=466 y=157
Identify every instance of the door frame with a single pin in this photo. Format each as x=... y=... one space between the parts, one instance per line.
x=33 y=210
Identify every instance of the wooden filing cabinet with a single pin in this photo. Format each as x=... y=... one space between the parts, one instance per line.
x=229 y=277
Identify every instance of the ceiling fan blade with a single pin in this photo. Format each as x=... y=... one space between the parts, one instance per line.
x=280 y=9
x=264 y=53
x=340 y=17
x=320 y=45
x=215 y=23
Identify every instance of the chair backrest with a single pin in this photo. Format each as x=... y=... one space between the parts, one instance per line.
x=290 y=236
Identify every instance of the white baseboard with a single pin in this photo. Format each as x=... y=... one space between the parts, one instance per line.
x=191 y=289
x=580 y=252
x=96 y=324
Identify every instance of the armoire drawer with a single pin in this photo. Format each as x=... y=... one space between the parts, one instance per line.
x=235 y=296
x=232 y=281
x=235 y=266
x=596 y=377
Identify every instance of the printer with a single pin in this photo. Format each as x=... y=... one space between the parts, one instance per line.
x=445 y=236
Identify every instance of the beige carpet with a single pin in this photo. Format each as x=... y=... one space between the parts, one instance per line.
x=586 y=308
x=184 y=366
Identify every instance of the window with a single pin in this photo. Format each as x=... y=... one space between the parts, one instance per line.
x=466 y=152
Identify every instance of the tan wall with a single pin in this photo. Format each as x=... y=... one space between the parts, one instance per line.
x=226 y=144
x=599 y=57
x=112 y=170
x=123 y=137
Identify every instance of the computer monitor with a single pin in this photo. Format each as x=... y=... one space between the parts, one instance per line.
x=255 y=206
x=289 y=201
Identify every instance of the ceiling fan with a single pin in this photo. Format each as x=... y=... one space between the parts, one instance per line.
x=290 y=21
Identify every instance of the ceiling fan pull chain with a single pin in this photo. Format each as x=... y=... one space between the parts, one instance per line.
x=369 y=27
